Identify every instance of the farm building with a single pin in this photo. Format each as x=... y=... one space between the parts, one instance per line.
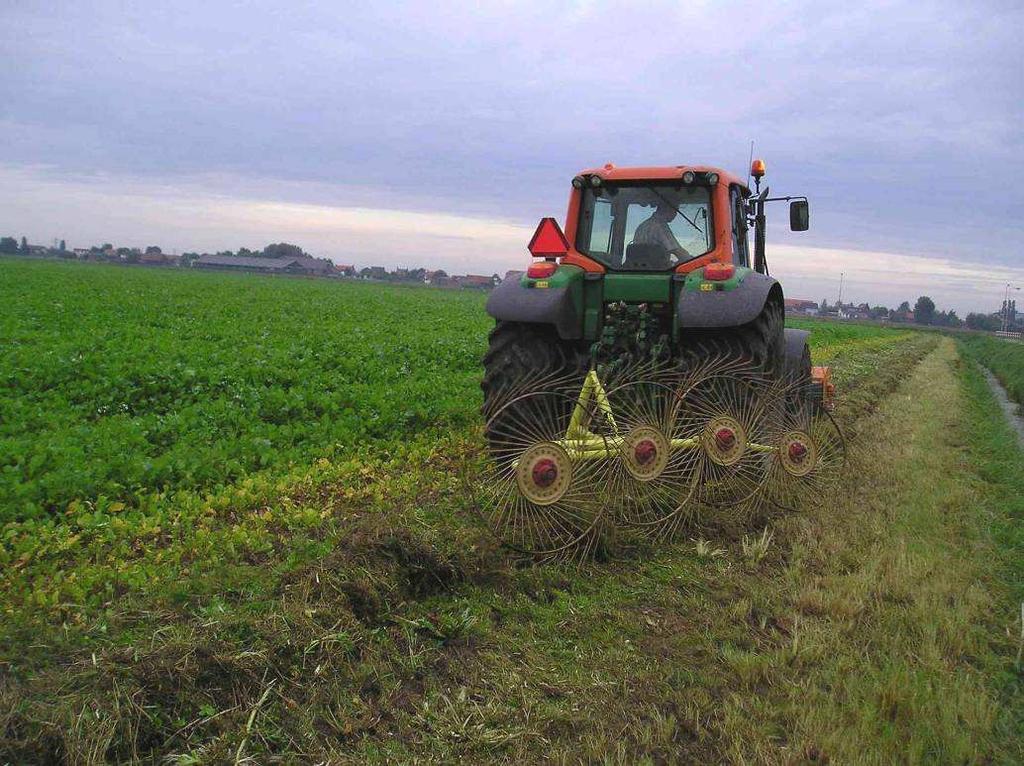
x=300 y=265
x=799 y=305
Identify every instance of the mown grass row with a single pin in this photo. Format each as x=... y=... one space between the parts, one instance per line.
x=356 y=611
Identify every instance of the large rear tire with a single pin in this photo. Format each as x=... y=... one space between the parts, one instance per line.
x=522 y=356
x=758 y=345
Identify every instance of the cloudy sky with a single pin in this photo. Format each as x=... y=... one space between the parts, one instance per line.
x=437 y=134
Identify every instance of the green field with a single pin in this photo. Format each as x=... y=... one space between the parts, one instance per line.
x=1003 y=357
x=233 y=529
x=120 y=382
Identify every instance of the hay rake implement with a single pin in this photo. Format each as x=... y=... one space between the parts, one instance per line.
x=648 y=452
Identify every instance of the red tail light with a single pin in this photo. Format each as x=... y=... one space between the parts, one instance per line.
x=541 y=270
x=719 y=272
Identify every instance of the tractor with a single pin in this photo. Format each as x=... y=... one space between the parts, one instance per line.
x=645 y=347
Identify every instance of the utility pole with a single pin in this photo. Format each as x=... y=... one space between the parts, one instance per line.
x=842 y=274
x=1006 y=307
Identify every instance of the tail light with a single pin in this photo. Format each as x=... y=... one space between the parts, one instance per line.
x=719 y=272
x=541 y=269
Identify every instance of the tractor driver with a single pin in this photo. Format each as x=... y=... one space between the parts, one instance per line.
x=656 y=231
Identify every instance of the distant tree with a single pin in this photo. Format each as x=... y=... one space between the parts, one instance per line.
x=924 y=310
x=8 y=245
x=187 y=259
x=983 y=322
x=106 y=246
x=824 y=304
x=904 y=307
x=154 y=250
x=283 y=250
x=63 y=246
x=244 y=252
x=24 y=245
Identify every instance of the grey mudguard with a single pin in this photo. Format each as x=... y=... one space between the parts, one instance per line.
x=795 y=341
x=725 y=308
x=511 y=302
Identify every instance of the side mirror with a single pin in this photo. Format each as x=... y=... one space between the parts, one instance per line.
x=799 y=215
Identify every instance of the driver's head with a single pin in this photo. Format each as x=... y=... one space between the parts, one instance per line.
x=665 y=212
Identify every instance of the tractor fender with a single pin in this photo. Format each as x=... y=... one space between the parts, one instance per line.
x=512 y=302
x=795 y=342
x=726 y=308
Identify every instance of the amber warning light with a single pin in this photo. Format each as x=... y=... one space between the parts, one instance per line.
x=548 y=241
x=757 y=169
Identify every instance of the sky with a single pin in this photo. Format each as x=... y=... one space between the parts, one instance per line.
x=437 y=134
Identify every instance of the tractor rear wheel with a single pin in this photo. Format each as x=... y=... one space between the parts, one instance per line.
x=758 y=344
x=520 y=356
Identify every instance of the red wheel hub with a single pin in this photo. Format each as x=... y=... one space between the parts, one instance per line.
x=797 y=452
x=545 y=472
x=725 y=438
x=645 y=452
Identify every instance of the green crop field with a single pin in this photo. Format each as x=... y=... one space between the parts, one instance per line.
x=124 y=382
x=233 y=529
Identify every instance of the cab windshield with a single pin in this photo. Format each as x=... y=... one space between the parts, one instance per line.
x=645 y=226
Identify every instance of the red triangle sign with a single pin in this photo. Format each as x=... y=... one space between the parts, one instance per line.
x=548 y=241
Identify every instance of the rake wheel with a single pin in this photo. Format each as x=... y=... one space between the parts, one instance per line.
x=727 y=408
x=809 y=458
x=652 y=480
x=539 y=493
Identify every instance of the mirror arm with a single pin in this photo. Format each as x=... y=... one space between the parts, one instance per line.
x=760 y=261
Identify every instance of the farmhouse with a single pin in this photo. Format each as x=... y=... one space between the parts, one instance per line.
x=799 y=305
x=298 y=265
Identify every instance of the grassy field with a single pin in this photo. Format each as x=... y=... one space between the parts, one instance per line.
x=339 y=603
x=119 y=382
x=1005 y=359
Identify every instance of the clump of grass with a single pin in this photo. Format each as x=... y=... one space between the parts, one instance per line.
x=706 y=551
x=756 y=548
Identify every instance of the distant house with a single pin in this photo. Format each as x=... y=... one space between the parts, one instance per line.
x=320 y=267
x=438 y=277
x=345 y=270
x=799 y=305
x=374 y=272
x=153 y=259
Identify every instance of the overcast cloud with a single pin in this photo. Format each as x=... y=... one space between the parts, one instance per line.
x=194 y=124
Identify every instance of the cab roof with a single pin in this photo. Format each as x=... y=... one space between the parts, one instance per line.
x=668 y=172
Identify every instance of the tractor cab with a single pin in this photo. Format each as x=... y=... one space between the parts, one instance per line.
x=659 y=261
